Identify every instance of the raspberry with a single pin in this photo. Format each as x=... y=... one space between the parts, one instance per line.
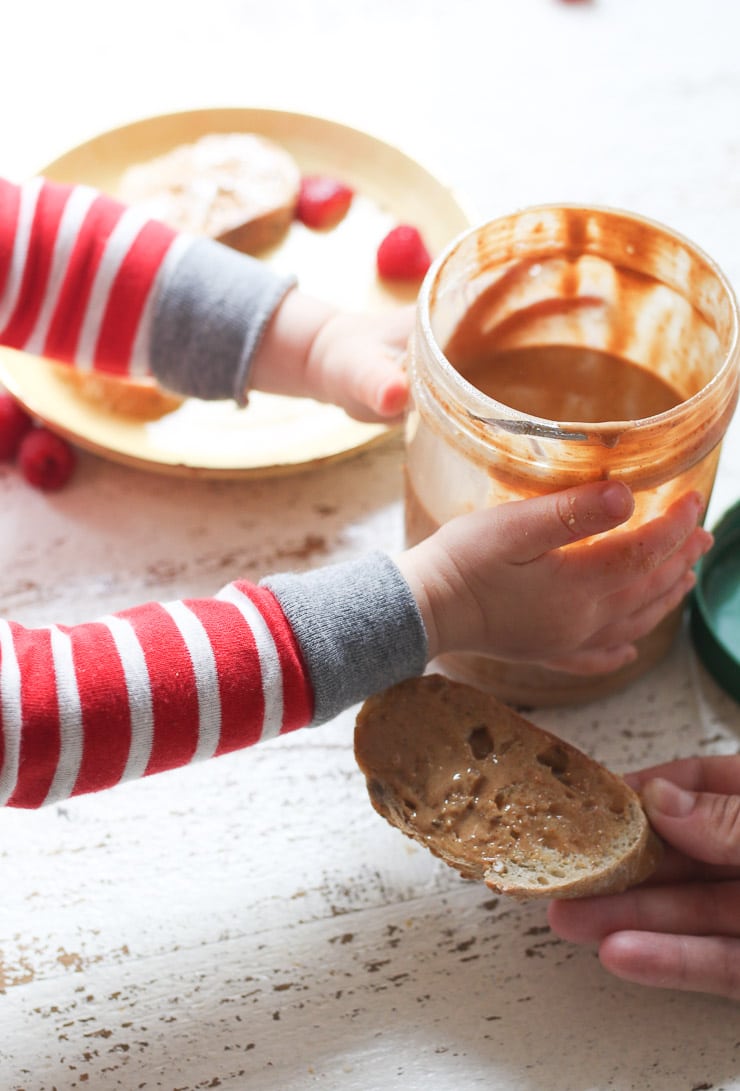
x=14 y=423
x=322 y=201
x=402 y=255
x=46 y=460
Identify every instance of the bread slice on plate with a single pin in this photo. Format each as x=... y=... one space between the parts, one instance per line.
x=141 y=399
x=496 y=797
x=238 y=188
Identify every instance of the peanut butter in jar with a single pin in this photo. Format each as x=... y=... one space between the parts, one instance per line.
x=560 y=345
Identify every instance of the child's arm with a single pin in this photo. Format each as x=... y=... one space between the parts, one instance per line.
x=161 y=685
x=86 y=281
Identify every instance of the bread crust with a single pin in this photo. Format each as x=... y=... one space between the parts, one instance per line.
x=496 y=797
x=240 y=189
x=142 y=399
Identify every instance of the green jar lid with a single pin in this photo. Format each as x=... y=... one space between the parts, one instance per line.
x=715 y=604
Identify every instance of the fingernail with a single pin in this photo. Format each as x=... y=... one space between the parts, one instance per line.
x=699 y=499
x=617 y=500
x=663 y=797
x=696 y=500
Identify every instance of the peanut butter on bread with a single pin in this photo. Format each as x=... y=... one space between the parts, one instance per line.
x=496 y=797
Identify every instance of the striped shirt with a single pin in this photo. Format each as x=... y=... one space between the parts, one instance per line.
x=76 y=274
x=86 y=281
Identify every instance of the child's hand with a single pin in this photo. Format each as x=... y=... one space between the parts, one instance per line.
x=497 y=581
x=681 y=930
x=356 y=361
x=312 y=350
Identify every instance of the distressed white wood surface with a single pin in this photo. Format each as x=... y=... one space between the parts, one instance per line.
x=250 y=923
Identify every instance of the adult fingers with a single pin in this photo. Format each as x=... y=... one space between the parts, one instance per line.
x=705 y=825
x=530 y=528
x=688 y=909
x=711 y=773
x=676 y=867
x=707 y=964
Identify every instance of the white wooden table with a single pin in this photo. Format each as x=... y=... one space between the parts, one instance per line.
x=250 y=923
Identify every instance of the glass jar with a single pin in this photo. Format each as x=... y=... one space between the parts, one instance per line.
x=579 y=278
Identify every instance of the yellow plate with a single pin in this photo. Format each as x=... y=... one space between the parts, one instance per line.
x=273 y=434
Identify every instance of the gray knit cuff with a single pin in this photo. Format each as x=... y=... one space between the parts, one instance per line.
x=358 y=626
x=208 y=320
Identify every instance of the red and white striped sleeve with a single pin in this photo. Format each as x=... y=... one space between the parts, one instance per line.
x=78 y=273
x=151 y=688
x=87 y=281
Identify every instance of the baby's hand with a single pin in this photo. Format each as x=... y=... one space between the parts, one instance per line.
x=356 y=361
x=498 y=581
x=311 y=350
x=680 y=930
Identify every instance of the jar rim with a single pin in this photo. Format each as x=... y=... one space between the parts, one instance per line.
x=482 y=407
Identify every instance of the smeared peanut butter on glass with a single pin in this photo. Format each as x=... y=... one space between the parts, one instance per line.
x=558 y=383
x=559 y=345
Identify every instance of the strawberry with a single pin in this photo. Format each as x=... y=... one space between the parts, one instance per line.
x=14 y=423
x=46 y=460
x=322 y=201
x=402 y=255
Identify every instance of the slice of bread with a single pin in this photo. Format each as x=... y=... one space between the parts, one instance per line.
x=142 y=399
x=238 y=188
x=498 y=798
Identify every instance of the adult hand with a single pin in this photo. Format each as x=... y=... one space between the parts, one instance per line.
x=681 y=929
